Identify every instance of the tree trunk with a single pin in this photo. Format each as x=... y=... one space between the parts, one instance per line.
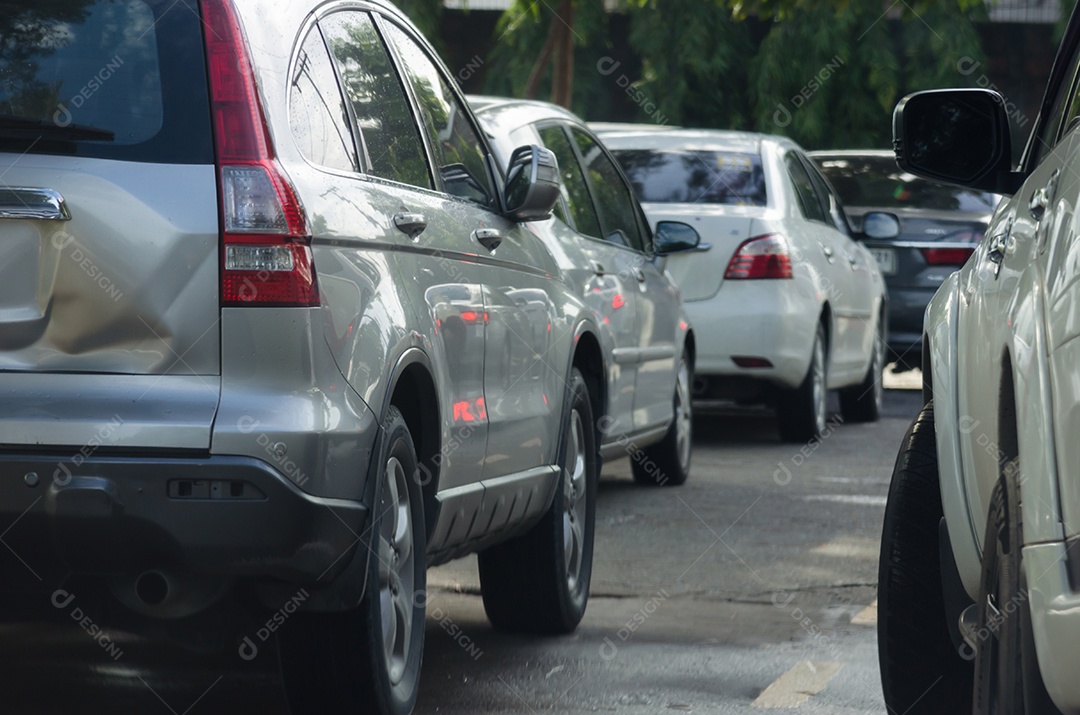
x=536 y=75
x=562 y=89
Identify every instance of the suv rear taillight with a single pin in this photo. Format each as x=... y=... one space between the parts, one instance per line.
x=760 y=257
x=266 y=248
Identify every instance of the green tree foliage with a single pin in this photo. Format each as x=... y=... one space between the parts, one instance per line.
x=425 y=15
x=693 y=57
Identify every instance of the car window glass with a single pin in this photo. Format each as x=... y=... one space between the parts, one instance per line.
x=391 y=143
x=804 y=189
x=320 y=122
x=876 y=182
x=613 y=196
x=1065 y=108
x=459 y=153
x=109 y=65
x=825 y=196
x=575 y=192
x=695 y=176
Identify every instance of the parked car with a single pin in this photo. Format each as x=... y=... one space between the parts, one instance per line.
x=269 y=320
x=604 y=246
x=785 y=303
x=979 y=588
x=940 y=225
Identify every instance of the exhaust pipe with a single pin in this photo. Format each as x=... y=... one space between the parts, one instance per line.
x=167 y=593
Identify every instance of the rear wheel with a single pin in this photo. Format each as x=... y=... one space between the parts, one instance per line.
x=1007 y=678
x=801 y=412
x=922 y=672
x=539 y=582
x=368 y=659
x=668 y=461
x=862 y=402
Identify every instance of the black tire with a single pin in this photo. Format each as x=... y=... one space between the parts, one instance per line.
x=922 y=672
x=801 y=412
x=539 y=582
x=339 y=662
x=862 y=402
x=1007 y=678
x=667 y=463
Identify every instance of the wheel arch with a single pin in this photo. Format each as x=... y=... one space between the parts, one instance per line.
x=588 y=357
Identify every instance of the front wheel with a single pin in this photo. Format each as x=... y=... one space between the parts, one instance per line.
x=801 y=412
x=922 y=673
x=368 y=660
x=539 y=582
x=667 y=463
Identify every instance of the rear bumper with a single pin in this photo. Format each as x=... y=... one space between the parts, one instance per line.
x=765 y=319
x=907 y=309
x=228 y=516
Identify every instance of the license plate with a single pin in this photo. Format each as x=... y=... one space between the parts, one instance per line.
x=886 y=259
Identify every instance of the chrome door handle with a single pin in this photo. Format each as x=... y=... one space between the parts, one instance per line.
x=597 y=268
x=412 y=225
x=489 y=238
x=640 y=275
x=828 y=253
x=1042 y=198
x=31 y=203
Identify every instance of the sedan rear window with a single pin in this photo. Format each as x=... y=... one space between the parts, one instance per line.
x=877 y=182
x=695 y=177
x=117 y=79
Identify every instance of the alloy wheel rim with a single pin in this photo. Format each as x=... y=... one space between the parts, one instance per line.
x=683 y=425
x=818 y=388
x=574 y=493
x=396 y=570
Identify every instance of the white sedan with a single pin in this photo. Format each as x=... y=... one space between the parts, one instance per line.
x=786 y=304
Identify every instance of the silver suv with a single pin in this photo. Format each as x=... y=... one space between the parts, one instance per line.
x=269 y=316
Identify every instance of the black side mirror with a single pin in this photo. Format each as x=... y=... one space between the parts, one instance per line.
x=959 y=136
x=532 y=184
x=675 y=236
x=878 y=224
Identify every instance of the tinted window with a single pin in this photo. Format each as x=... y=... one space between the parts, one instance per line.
x=691 y=177
x=391 y=144
x=804 y=189
x=317 y=112
x=458 y=151
x=825 y=197
x=877 y=182
x=574 y=190
x=613 y=196
x=132 y=69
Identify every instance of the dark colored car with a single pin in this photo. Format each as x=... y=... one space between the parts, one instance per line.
x=940 y=225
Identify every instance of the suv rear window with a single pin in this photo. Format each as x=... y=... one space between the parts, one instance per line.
x=114 y=79
x=695 y=177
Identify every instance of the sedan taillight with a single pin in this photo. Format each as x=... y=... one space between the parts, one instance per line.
x=761 y=257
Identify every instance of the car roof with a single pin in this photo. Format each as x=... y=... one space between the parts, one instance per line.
x=651 y=136
x=852 y=153
x=511 y=114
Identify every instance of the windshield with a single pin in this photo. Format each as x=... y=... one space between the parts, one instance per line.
x=691 y=177
x=878 y=182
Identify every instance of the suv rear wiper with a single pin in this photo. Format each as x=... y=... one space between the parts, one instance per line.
x=12 y=127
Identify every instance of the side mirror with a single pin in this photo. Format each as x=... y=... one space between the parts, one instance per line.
x=673 y=237
x=959 y=136
x=877 y=224
x=532 y=184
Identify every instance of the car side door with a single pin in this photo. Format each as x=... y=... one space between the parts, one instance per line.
x=527 y=341
x=815 y=247
x=604 y=274
x=658 y=311
x=864 y=278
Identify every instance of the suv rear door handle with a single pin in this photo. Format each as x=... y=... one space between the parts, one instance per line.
x=827 y=250
x=489 y=238
x=999 y=244
x=31 y=203
x=640 y=275
x=597 y=267
x=412 y=225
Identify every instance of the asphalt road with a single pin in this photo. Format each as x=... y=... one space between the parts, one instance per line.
x=750 y=587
